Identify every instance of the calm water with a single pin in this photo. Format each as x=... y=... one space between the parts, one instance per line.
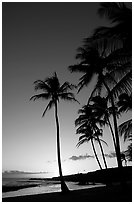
x=44 y=186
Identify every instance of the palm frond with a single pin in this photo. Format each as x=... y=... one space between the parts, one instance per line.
x=103 y=141
x=128 y=152
x=99 y=86
x=112 y=10
x=49 y=106
x=81 y=142
x=85 y=80
x=53 y=82
x=124 y=85
x=41 y=85
x=125 y=129
x=84 y=136
x=68 y=97
x=66 y=86
x=125 y=102
x=40 y=96
x=78 y=68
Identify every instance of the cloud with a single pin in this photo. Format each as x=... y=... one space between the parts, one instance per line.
x=23 y=172
x=111 y=155
x=51 y=161
x=80 y=157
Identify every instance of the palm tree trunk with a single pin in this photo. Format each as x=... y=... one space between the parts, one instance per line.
x=64 y=187
x=112 y=133
x=102 y=152
x=115 y=126
x=95 y=154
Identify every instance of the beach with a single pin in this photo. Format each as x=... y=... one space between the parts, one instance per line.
x=111 y=193
x=97 y=186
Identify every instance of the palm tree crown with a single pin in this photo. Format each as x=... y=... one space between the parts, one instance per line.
x=120 y=16
x=53 y=91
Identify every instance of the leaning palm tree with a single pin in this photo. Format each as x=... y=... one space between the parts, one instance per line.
x=53 y=91
x=87 y=122
x=86 y=136
x=102 y=111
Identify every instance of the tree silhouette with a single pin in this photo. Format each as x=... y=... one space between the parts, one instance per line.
x=87 y=123
x=120 y=33
x=125 y=104
x=103 y=112
x=86 y=136
x=54 y=92
x=106 y=54
x=95 y=63
x=125 y=129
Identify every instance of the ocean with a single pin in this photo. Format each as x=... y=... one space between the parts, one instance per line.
x=43 y=186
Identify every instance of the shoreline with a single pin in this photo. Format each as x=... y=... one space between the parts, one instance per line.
x=112 y=193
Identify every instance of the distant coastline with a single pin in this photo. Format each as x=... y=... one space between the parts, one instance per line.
x=106 y=176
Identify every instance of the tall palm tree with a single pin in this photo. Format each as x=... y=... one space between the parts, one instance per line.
x=54 y=92
x=87 y=123
x=96 y=62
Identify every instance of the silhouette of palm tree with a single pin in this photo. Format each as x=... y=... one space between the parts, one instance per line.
x=103 y=112
x=95 y=63
x=104 y=55
x=120 y=16
x=87 y=123
x=86 y=136
x=128 y=152
x=125 y=129
x=125 y=104
x=53 y=91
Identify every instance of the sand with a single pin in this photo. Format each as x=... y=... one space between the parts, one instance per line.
x=113 y=193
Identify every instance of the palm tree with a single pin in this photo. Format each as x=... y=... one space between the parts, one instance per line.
x=102 y=111
x=104 y=55
x=125 y=104
x=125 y=129
x=95 y=62
x=87 y=135
x=128 y=152
x=87 y=123
x=53 y=91
x=120 y=33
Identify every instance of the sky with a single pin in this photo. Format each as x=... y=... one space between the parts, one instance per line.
x=37 y=40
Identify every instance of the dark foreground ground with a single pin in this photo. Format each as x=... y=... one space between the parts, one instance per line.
x=112 y=193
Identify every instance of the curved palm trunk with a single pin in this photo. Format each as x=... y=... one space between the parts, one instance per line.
x=112 y=133
x=102 y=152
x=115 y=126
x=64 y=187
x=95 y=154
